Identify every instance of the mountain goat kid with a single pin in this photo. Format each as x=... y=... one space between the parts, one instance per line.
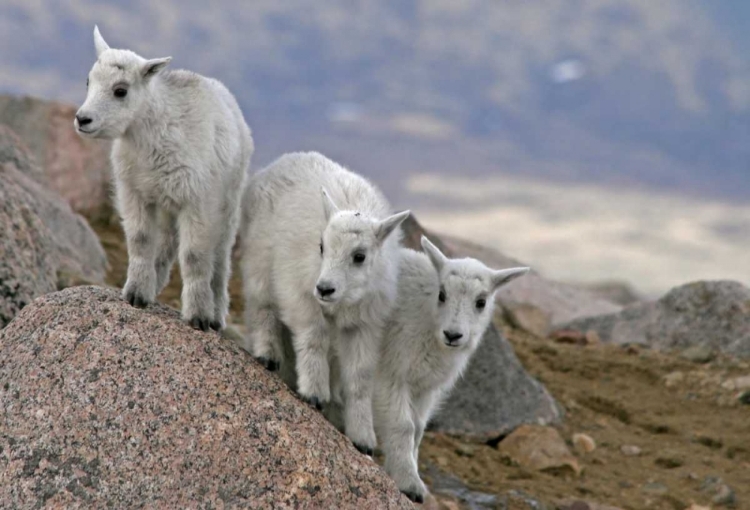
x=443 y=308
x=180 y=154
x=320 y=256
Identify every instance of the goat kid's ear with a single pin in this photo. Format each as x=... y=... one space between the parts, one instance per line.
x=436 y=256
x=99 y=43
x=503 y=276
x=154 y=66
x=329 y=207
x=384 y=227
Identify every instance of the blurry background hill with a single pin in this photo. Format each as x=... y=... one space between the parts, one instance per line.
x=594 y=139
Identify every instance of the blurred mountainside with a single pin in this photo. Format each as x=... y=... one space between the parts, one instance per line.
x=617 y=92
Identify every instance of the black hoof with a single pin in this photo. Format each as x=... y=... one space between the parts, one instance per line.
x=199 y=323
x=417 y=498
x=315 y=402
x=364 y=449
x=215 y=325
x=270 y=364
x=136 y=300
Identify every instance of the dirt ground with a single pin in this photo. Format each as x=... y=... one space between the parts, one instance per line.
x=690 y=431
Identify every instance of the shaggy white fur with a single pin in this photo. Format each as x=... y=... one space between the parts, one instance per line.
x=180 y=154
x=443 y=308
x=320 y=255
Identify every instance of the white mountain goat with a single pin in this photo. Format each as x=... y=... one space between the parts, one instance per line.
x=180 y=154
x=443 y=308
x=320 y=256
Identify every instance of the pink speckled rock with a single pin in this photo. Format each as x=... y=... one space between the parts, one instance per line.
x=76 y=168
x=105 y=405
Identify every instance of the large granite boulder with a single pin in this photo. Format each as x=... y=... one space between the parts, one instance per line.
x=496 y=394
x=75 y=168
x=108 y=406
x=42 y=241
x=711 y=314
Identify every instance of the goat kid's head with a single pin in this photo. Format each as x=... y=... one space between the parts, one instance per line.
x=466 y=297
x=118 y=85
x=351 y=252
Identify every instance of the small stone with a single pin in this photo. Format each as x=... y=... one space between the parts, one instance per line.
x=568 y=336
x=655 y=489
x=539 y=448
x=583 y=443
x=673 y=379
x=528 y=318
x=738 y=383
x=466 y=450
x=724 y=496
x=696 y=506
x=630 y=450
x=698 y=354
x=592 y=337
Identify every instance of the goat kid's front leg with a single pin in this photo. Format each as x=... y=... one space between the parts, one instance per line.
x=139 y=220
x=311 y=347
x=359 y=359
x=196 y=254
x=398 y=446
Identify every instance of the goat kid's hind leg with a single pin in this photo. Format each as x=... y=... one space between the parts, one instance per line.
x=223 y=268
x=166 y=252
x=141 y=234
x=196 y=254
x=358 y=363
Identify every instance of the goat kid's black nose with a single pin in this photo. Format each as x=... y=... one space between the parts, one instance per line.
x=82 y=121
x=452 y=336
x=325 y=291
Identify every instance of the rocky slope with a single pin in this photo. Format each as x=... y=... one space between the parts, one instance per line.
x=107 y=405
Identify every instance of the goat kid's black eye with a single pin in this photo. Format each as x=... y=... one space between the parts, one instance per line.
x=481 y=303
x=321 y=248
x=358 y=258
x=120 y=93
x=87 y=83
x=441 y=296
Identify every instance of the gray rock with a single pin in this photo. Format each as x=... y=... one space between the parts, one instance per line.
x=722 y=494
x=15 y=152
x=106 y=405
x=617 y=292
x=41 y=242
x=714 y=315
x=495 y=395
x=75 y=168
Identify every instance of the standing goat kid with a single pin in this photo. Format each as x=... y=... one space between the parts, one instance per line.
x=443 y=308
x=180 y=154
x=320 y=256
